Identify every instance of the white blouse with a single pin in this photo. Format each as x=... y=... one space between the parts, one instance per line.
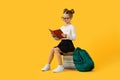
x=70 y=31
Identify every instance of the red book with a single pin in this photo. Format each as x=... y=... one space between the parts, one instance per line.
x=56 y=33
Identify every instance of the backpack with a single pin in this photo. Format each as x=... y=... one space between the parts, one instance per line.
x=82 y=60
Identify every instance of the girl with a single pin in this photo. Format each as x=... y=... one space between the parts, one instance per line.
x=66 y=44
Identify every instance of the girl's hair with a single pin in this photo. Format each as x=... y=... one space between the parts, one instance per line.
x=69 y=12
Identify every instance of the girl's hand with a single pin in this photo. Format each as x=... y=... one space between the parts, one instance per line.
x=52 y=35
x=64 y=35
x=56 y=38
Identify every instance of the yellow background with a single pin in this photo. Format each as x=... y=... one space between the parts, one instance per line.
x=25 y=41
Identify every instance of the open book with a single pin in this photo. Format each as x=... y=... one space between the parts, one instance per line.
x=56 y=33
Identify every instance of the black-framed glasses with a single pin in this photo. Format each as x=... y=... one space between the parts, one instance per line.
x=65 y=18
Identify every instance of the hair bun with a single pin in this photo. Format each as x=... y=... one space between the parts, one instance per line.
x=65 y=10
x=72 y=11
x=69 y=12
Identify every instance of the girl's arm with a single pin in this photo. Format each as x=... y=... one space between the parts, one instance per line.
x=72 y=34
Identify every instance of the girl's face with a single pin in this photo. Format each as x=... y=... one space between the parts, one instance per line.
x=66 y=18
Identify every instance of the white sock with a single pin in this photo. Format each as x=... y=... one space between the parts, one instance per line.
x=46 y=67
x=60 y=68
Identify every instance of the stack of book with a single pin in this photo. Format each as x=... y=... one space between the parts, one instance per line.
x=68 y=60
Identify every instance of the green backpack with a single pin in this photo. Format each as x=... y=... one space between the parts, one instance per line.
x=82 y=61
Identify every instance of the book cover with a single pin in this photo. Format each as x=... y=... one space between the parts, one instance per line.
x=56 y=33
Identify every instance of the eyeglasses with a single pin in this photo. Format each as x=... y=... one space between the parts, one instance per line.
x=65 y=18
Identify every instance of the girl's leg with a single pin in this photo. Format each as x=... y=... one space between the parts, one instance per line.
x=47 y=66
x=60 y=67
x=50 y=58
x=58 y=55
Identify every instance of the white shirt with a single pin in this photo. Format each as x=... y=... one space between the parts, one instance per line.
x=70 y=31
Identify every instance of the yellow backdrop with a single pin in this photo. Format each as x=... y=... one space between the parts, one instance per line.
x=26 y=40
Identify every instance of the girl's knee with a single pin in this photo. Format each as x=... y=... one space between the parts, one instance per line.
x=52 y=50
x=56 y=49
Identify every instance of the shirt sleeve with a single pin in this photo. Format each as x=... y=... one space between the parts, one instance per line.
x=72 y=34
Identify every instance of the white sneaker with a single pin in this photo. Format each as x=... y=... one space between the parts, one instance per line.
x=46 y=67
x=60 y=68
